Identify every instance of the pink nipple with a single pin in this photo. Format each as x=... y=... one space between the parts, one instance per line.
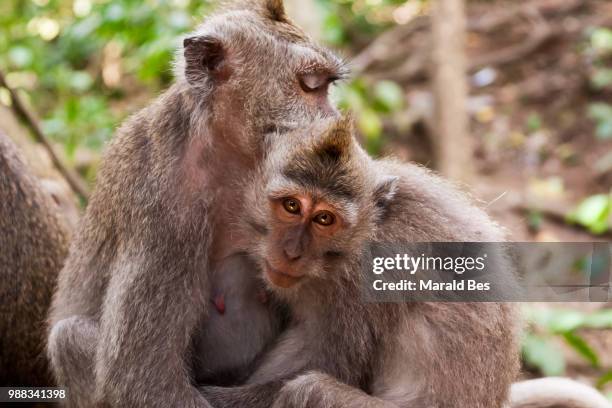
x=219 y=302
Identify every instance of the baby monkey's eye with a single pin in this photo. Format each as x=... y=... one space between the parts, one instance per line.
x=324 y=218
x=291 y=205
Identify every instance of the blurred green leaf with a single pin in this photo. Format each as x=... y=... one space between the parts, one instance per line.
x=538 y=316
x=370 y=125
x=21 y=56
x=389 y=96
x=601 y=319
x=534 y=220
x=81 y=81
x=351 y=98
x=77 y=107
x=582 y=348
x=601 y=39
x=602 y=114
x=542 y=354
x=604 y=379
x=114 y=12
x=179 y=20
x=534 y=122
x=593 y=213
x=333 y=30
x=604 y=129
x=565 y=320
x=601 y=78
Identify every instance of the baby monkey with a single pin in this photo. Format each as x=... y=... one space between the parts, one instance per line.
x=311 y=216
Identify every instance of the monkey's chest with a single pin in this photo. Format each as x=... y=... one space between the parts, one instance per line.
x=239 y=326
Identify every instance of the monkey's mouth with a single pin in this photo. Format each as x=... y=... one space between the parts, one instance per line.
x=281 y=279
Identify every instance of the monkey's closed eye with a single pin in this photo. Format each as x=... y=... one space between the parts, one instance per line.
x=324 y=218
x=291 y=205
x=315 y=82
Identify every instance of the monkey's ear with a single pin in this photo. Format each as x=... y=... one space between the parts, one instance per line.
x=338 y=138
x=385 y=193
x=204 y=58
x=275 y=10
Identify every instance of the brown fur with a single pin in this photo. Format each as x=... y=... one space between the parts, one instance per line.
x=33 y=245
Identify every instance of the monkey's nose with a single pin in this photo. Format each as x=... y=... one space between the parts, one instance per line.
x=292 y=255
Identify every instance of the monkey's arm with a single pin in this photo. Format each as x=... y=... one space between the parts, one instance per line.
x=282 y=363
x=311 y=390
x=146 y=323
x=318 y=390
x=250 y=395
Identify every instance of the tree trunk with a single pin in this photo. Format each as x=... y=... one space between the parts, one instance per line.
x=454 y=146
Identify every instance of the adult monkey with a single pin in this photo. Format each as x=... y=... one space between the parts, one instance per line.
x=33 y=245
x=136 y=283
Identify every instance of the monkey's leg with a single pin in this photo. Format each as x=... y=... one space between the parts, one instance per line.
x=250 y=395
x=145 y=328
x=72 y=349
x=318 y=390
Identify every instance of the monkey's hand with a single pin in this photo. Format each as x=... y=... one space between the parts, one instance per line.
x=251 y=395
x=305 y=391
x=318 y=390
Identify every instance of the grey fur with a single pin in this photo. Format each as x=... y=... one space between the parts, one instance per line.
x=342 y=352
x=246 y=321
x=139 y=269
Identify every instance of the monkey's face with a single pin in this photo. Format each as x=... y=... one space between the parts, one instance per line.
x=285 y=86
x=314 y=205
x=307 y=234
x=261 y=71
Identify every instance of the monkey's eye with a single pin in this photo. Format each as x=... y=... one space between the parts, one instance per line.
x=315 y=82
x=291 y=205
x=324 y=218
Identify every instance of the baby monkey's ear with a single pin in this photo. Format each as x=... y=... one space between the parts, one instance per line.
x=337 y=139
x=275 y=9
x=205 y=59
x=385 y=193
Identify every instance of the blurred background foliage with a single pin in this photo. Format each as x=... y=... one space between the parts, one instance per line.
x=78 y=60
x=85 y=64
x=542 y=120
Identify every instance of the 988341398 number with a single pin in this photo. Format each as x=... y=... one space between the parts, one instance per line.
x=32 y=394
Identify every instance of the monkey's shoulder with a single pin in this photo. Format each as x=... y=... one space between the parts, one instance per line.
x=427 y=207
